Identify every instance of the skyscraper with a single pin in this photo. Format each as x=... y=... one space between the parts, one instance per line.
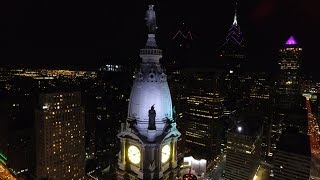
x=243 y=149
x=233 y=49
x=289 y=84
x=288 y=96
x=106 y=107
x=292 y=159
x=60 y=143
x=202 y=112
x=232 y=52
x=259 y=100
x=149 y=137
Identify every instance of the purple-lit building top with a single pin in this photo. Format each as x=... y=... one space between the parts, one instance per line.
x=291 y=41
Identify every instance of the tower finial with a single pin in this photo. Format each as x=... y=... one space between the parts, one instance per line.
x=235 y=14
x=151 y=19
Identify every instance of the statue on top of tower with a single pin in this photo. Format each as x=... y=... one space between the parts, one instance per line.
x=152 y=119
x=151 y=19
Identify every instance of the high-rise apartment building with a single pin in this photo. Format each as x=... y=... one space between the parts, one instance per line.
x=292 y=159
x=60 y=143
x=243 y=149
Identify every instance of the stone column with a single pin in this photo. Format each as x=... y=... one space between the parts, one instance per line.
x=122 y=163
x=142 y=158
x=174 y=153
x=158 y=151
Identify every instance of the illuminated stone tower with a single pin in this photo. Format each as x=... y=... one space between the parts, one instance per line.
x=149 y=136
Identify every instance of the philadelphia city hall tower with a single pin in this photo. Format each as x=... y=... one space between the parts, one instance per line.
x=148 y=147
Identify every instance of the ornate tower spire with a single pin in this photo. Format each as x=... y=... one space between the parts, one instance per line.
x=235 y=22
x=234 y=38
x=149 y=139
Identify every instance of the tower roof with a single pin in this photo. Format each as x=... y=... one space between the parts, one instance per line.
x=235 y=22
x=150 y=104
x=292 y=141
x=234 y=38
x=291 y=41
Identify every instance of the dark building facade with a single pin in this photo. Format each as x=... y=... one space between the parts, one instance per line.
x=110 y=98
x=292 y=159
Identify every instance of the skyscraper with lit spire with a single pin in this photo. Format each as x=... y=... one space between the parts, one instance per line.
x=233 y=48
x=232 y=53
x=149 y=137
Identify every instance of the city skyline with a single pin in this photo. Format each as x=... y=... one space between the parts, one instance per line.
x=159 y=90
x=85 y=34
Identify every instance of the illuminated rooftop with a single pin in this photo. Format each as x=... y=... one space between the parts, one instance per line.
x=249 y=124
x=291 y=41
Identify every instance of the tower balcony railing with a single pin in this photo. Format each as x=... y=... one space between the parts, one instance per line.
x=151 y=51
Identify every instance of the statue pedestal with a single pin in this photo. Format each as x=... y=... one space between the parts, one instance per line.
x=151 y=135
x=151 y=42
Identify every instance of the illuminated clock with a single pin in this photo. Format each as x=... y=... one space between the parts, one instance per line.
x=165 y=153
x=134 y=154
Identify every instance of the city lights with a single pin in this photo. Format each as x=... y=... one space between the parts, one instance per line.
x=168 y=90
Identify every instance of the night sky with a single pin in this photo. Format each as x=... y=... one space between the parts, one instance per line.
x=82 y=33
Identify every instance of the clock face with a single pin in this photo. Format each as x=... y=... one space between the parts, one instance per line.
x=165 y=153
x=134 y=154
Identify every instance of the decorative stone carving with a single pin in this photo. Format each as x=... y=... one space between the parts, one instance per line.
x=152 y=166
